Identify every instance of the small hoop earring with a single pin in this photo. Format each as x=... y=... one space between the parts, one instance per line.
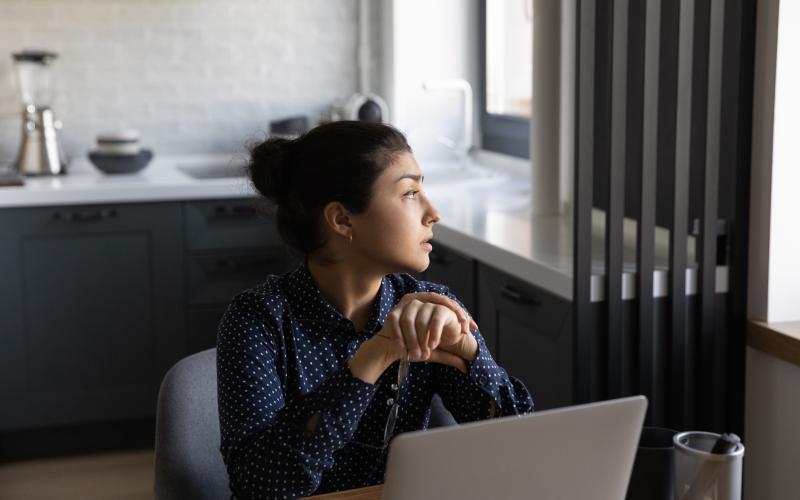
x=350 y=238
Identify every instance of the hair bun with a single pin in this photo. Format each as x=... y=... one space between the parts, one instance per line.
x=269 y=169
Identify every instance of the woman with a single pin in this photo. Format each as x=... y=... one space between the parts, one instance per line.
x=308 y=361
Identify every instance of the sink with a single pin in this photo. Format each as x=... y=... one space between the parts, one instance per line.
x=213 y=170
x=438 y=175
x=450 y=175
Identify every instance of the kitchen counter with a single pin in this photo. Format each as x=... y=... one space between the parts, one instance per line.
x=485 y=214
x=161 y=180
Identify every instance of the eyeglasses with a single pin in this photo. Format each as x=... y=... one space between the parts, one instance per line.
x=402 y=371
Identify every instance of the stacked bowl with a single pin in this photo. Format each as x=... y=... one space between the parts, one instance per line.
x=119 y=152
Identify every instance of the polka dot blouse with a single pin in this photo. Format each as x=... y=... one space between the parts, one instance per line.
x=294 y=419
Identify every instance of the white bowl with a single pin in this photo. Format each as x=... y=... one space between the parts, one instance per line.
x=119 y=142
x=121 y=148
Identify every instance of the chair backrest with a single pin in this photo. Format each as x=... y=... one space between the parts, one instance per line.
x=188 y=463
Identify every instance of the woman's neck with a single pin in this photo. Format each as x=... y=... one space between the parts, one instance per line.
x=350 y=291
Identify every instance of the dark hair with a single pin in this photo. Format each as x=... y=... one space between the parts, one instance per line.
x=337 y=161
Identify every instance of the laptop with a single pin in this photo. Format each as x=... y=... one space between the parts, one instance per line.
x=574 y=453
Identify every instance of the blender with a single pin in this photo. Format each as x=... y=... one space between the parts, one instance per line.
x=40 y=151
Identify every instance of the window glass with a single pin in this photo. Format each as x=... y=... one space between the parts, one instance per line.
x=509 y=57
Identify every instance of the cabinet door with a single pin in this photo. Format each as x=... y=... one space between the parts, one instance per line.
x=455 y=270
x=201 y=326
x=530 y=334
x=214 y=279
x=92 y=301
x=236 y=223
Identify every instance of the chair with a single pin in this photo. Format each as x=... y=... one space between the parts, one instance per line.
x=188 y=463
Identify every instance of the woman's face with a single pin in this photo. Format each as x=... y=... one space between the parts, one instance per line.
x=395 y=230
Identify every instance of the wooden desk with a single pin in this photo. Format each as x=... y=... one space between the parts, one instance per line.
x=368 y=493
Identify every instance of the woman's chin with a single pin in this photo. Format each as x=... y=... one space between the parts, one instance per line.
x=424 y=265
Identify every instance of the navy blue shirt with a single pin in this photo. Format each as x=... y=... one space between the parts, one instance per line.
x=294 y=419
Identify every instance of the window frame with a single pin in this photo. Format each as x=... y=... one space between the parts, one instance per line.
x=505 y=134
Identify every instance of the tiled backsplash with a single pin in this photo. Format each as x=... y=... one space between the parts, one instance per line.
x=193 y=76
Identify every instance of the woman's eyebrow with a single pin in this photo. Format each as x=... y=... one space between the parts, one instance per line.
x=418 y=178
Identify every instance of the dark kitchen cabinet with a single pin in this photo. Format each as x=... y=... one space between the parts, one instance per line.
x=231 y=245
x=91 y=319
x=457 y=271
x=529 y=332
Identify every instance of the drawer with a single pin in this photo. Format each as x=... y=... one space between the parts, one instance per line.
x=523 y=302
x=216 y=278
x=237 y=223
x=76 y=220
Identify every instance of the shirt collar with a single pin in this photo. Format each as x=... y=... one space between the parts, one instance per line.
x=309 y=305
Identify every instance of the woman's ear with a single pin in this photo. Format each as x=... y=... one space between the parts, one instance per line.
x=338 y=219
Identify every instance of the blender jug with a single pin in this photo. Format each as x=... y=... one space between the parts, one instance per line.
x=40 y=151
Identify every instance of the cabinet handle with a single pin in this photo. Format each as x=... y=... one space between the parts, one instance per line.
x=516 y=297
x=234 y=211
x=85 y=215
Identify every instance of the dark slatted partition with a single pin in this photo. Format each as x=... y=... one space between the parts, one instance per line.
x=682 y=348
x=662 y=105
x=711 y=338
x=588 y=376
x=652 y=368
x=618 y=341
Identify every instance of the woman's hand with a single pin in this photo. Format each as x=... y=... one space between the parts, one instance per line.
x=422 y=323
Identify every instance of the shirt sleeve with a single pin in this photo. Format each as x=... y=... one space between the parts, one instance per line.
x=485 y=391
x=274 y=448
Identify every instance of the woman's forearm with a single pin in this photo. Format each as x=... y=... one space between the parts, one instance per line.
x=370 y=360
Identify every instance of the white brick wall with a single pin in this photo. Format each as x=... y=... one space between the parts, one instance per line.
x=193 y=76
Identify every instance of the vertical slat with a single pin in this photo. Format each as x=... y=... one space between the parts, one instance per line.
x=650 y=363
x=737 y=123
x=617 y=344
x=682 y=392
x=710 y=377
x=585 y=383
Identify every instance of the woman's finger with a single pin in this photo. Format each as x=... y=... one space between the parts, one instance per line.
x=422 y=327
x=447 y=358
x=438 y=298
x=408 y=329
x=391 y=331
x=437 y=324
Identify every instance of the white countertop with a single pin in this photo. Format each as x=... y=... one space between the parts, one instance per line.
x=158 y=181
x=485 y=214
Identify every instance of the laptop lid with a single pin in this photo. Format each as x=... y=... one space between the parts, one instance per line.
x=574 y=453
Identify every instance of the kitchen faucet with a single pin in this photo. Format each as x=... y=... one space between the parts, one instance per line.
x=463 y=147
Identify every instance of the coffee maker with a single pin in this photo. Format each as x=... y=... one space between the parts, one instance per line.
x=40 y=151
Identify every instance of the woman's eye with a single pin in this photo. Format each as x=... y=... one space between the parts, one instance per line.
x=412 y=193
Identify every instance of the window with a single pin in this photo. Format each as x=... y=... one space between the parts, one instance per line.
x=507 y=27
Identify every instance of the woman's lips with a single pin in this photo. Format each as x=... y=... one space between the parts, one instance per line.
x=427 y=246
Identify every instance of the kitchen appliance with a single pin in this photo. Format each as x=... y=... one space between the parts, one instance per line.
x=40 y=150
x=362 y=105
x=289 y=128
x=365 y=106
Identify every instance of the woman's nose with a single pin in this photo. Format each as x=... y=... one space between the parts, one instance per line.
x=432 y=215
